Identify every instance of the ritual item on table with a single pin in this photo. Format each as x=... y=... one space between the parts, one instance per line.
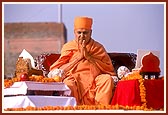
x=24 y=77
x=122 y=71
x=150 y=66
x=57 y=78
x=24 y=65
x=44 y=61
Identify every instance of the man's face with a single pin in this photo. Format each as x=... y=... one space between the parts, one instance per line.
x=82 y=34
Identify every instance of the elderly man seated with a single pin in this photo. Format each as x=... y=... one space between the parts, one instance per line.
x=85 y=66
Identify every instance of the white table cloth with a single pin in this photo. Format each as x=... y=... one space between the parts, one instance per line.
x=21 y=88
x=37 y=101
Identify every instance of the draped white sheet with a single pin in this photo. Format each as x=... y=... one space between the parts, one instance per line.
x=23 y=86
x=37 y=101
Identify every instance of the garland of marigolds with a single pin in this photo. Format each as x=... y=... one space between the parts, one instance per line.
x=132 y=76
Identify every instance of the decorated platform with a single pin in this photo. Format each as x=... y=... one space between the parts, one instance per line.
x=32 y=87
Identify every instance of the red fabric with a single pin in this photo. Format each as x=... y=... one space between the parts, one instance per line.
x=50 y=59
x=150 y=63
x=155 y=93
x=127 y=93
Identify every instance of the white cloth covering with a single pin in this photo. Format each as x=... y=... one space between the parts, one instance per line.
x=37 y=101
x=21 y=88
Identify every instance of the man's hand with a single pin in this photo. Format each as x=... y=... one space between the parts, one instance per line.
x=85 y=52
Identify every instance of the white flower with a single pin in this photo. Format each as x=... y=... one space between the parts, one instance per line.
x=122 y=71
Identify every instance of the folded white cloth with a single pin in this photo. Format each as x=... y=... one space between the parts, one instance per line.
x=55 y=72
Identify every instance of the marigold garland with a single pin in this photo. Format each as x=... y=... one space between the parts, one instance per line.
x=136 y=76
x=9 y=82
x=81 y=107
x=133 y=76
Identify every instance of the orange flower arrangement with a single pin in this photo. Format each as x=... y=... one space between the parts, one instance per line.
x=133 y=76
x=80 y=107
x=9 y=82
